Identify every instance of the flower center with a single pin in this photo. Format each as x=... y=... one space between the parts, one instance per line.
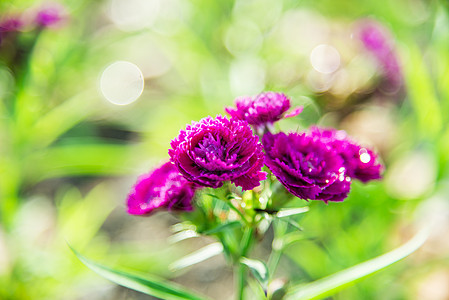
x=209 y=146
x=312 y=165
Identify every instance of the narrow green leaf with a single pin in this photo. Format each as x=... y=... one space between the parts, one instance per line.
x=331 y=284
x=223 y=227
x=178 y=227
x=293 y=223
x=213 y=196
x=182 y=235
x=288 y=239
x=292 y=211
x=257 y=289
x=148 y=285
x=197 y=256
x=232 y=196
x=259 y=270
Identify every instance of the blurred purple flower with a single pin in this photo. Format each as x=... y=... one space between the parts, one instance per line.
x=50 y=15
x=212 y=151
x=377 y=40
x=265 y=108
x=11 y=24
x=162 y=187
x=360 y=163
x=308 y=167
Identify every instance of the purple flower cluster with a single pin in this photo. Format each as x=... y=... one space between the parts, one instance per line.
x=262 y=109
x=212 y=151
x=162 y=187
x=318 y=164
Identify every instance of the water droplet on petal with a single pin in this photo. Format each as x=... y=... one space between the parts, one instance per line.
x=365 y=158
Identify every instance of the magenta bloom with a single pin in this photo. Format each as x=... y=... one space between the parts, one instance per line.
x=212 y=151
x=378 y=41
x=8 y=26
x=265 y=108
x=49 y=16
x=11 y=24
x=162 y=187
x=360 y=163
x=308 y=167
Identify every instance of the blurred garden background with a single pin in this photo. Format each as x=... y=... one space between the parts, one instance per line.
x=92 y=92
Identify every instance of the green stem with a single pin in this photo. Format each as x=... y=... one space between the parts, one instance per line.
x=279 y=230
x=226 y=249
x=9 y=192
x=273 y=262
x=232 y=206
x=241 y=215
x=241 y=282
x=247 y=240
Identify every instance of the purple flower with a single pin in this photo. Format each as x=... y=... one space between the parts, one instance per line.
x=162 y=187
x=308 y=167
x=8 y=26
x=49 y=16
x=265 y=108
x=212 y=151
x=11 y=24
x=360 y=162
x=377 y=40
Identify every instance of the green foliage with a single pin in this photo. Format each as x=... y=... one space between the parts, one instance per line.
x=330 y=285
x=148 y=285
x=68 y=157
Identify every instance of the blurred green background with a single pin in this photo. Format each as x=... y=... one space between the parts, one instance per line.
x=68 y=154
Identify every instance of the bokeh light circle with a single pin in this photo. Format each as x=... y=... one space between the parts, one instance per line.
x=122 y=83
x=325 y=59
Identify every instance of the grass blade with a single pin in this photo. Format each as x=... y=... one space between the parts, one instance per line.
x=331 y=284
x=197 y=256
x=259 y=270
x=222 y=227
x=148 y=285
x=292 y=211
